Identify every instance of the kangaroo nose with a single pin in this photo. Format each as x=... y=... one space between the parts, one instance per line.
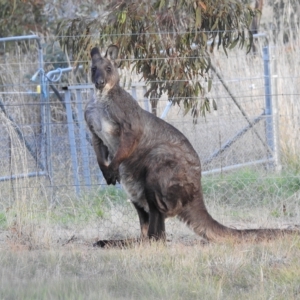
x=100 y=83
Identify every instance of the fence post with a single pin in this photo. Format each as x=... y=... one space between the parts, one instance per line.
x=146 y=100
x=72 y=140
x=275 y=115
x=83 y=144
x=133 y=91
x=268 y=101
x=134 y=94
x=48 y=140
x=166 y=110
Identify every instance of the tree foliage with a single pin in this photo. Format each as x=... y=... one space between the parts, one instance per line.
x=166 y=42
x=19 y=17
x=286 y=23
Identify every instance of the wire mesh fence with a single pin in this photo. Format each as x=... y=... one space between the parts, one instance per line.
x=247 y=146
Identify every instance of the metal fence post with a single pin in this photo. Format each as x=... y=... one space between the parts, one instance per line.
x=268 y=99
x=133 y=91
x=275 y=115
x=83 y=144
x=146 y=100
x=43 y=101
x=48 y=135
x=166 y=110
x=43 y=95
x=134 y=94
x=72 y=140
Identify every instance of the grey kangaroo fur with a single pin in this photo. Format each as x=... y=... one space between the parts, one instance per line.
x=155 y=163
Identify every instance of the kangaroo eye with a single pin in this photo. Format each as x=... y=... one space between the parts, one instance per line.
x=94 y=69
x=108 y=69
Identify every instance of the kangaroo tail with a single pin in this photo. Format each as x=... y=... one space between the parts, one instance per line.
x=202 y=223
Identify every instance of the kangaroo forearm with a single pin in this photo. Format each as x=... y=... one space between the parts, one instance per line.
x=101 y=151
x=102 y=158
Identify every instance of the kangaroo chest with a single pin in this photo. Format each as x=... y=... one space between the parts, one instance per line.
x=100 y=121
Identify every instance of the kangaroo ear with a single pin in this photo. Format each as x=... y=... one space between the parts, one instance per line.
x=112 y=54
x=95 y=53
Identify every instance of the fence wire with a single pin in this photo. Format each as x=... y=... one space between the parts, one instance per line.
x=245 y=178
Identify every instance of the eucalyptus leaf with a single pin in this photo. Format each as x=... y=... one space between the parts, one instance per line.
x=165 y=41
x=209 y=84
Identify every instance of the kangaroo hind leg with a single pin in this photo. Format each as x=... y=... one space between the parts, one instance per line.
x=156 y=229
x=144 y=220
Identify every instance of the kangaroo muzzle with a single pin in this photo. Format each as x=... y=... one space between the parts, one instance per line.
x=100 y=83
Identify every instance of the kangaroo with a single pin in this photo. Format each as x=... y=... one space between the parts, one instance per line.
x=155 y=163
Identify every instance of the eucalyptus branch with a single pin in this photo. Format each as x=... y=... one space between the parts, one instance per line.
x=138 y=28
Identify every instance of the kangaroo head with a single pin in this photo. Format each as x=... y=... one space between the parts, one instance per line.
x=104 y=69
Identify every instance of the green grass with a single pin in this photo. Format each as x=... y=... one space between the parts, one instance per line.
x=3 y=221
x=237 y=192
x=70 y=211
x=44 y=255
x=248 y=185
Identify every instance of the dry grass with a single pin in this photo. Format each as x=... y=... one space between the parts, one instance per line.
x=45 y=245
x=176 y=271
x=47 y=253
